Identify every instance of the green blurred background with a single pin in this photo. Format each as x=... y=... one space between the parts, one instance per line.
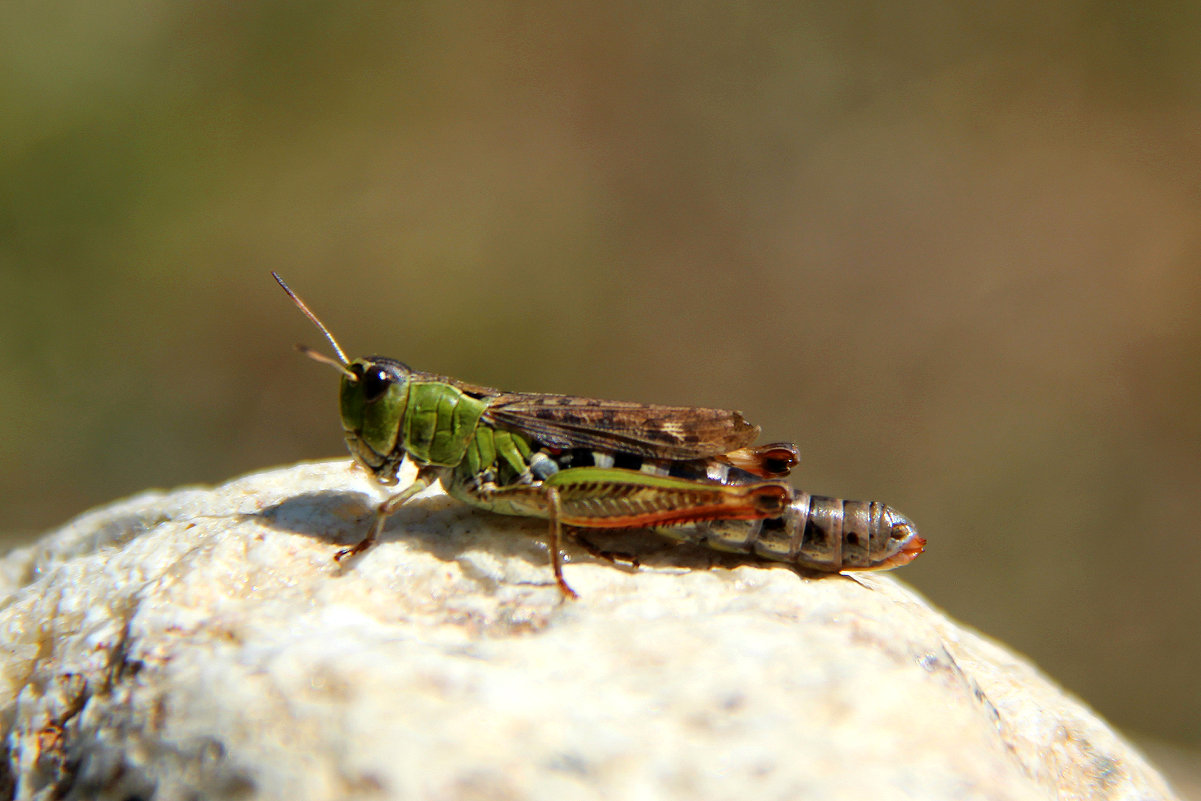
x=952 y=251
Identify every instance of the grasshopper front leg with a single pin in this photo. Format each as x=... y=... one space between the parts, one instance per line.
x=426 y=475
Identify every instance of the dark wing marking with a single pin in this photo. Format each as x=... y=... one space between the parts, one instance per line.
x=642 y=429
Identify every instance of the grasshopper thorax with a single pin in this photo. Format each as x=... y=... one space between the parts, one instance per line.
x=373 y=400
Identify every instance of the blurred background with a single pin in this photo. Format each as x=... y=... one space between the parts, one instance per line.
x=952 y=251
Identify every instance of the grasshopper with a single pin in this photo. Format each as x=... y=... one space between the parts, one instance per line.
x=689 y=473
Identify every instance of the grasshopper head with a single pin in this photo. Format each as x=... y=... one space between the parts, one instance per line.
x=374 y=397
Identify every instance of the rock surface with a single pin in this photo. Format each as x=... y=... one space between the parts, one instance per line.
x=203 y=643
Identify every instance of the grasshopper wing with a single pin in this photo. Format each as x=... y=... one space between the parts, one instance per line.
x=640 y=429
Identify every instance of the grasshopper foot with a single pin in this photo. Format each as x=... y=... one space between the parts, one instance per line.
x=354 y=550
x=564 y=588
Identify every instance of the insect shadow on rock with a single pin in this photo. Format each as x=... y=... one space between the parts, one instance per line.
x=317 y=513
x=325 y=513
x=689 y=473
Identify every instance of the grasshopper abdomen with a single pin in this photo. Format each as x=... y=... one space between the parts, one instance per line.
x=816 y=532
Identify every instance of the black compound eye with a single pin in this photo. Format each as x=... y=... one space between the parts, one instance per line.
x=375 y=384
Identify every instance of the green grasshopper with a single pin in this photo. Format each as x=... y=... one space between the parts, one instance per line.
x=689 y=473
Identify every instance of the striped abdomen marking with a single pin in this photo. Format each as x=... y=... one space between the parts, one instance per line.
x=816 y=532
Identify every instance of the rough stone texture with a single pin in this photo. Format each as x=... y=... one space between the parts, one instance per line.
x=203 y=643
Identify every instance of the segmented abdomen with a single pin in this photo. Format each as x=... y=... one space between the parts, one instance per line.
x=816 y=532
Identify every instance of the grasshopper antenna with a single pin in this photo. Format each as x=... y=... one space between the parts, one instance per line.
x=342 y=361
x=317 y=356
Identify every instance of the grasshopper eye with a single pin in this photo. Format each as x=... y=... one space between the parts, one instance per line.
x=375 y=383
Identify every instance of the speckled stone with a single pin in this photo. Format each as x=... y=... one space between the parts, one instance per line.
x=203 y=643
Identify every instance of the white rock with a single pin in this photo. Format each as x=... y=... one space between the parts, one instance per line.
x=204 y=644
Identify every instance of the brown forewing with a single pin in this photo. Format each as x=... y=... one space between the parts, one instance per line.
x=641 y=429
